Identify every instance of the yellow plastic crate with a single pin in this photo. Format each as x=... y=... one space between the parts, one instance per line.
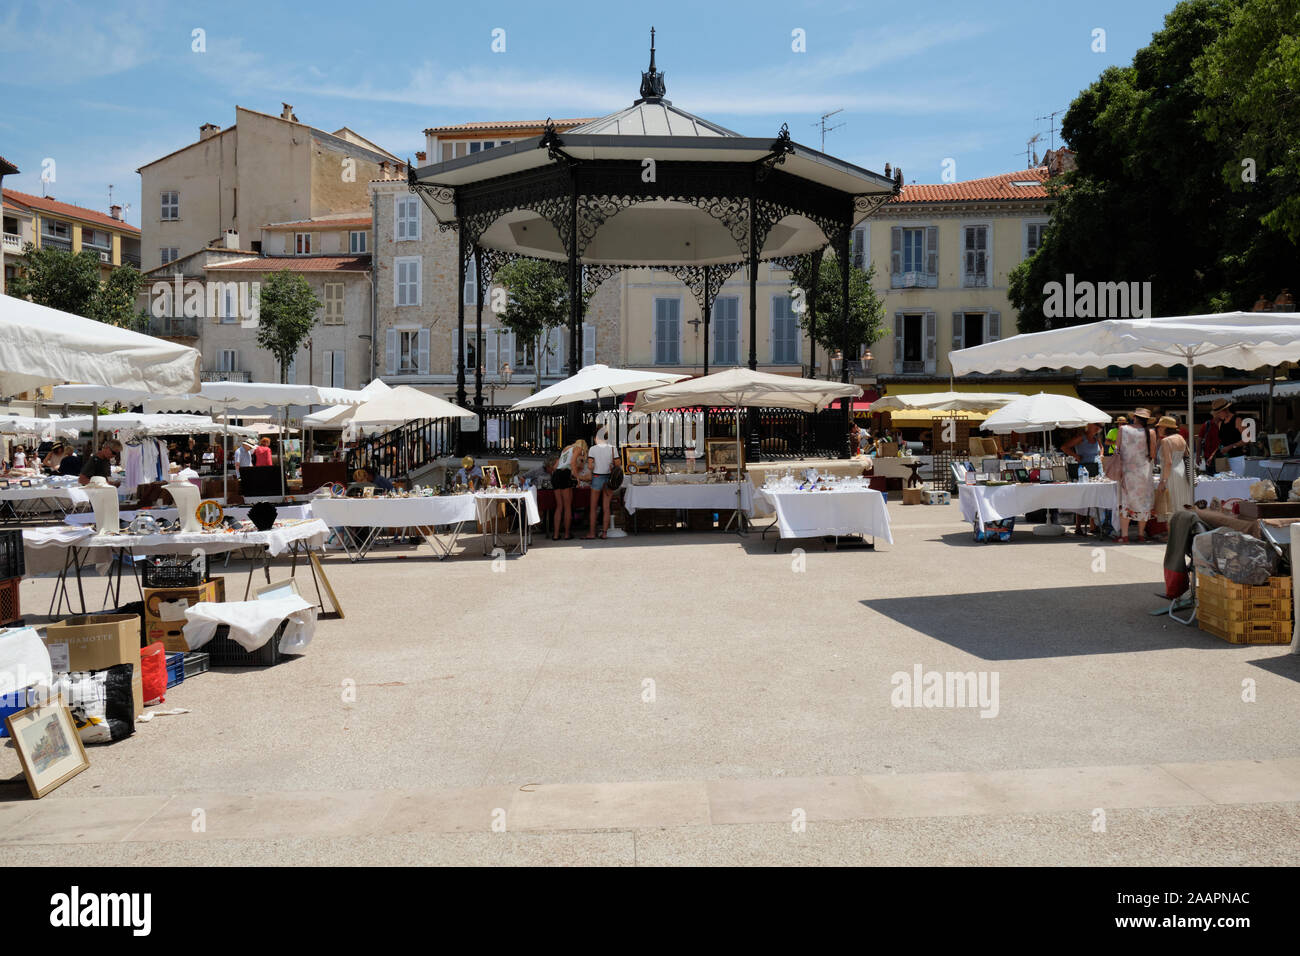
x=1245 y=609
x=1244 y=632
x=1212 y=584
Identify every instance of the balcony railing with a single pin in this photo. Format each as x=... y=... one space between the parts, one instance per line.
x=54 y=242
x=129 y=258
x=223 y=375
x=13 y=243
x=173 y=327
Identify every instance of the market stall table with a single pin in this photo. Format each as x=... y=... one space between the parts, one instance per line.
x=61 y=496
x=524 y=505
x=425 y=514
x=836 y=513
x=1223 y=488
x=63 y=549
x=688 y=496
x=984 y=503
x=299 y=512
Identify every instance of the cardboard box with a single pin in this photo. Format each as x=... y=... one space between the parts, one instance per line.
x=164 y=611
x=912 y=496
x=95 y=642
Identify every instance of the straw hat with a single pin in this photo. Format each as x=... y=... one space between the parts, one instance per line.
x=1220 y=404
x=467 y=462
x=248 y=443
x=1143 y=413
x=1166 y=421
x=1121 y=420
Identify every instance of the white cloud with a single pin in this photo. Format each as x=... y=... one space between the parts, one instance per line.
x=89 y=42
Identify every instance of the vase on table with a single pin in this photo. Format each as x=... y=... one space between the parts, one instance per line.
x=103 y=498
x=186 y=497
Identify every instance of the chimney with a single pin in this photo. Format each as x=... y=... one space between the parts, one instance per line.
x=420 y=157
x=115 y=211
x=208 y=130
x=889 y=174
x=384 y=169
x=231 y=239
x=287 y=113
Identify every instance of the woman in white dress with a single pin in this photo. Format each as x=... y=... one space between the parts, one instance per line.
x=1173 y=470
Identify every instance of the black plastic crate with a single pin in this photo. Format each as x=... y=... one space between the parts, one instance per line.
x=224 y=652
x=196 y=662
x=172 y=571
x=11 y=554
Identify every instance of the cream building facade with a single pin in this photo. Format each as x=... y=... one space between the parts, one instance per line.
x=47 y=223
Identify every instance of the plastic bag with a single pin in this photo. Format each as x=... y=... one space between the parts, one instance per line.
x=153 y=673
x=1263 y=490
x=102 y=702
x=1235 y=556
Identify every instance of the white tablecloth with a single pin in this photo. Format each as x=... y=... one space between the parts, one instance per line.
x=70 y=492
x=283 y=513
x=528 y=497
x=716 y=497
x=252 y=623
x=981 y=503
x=1224 y=488
x=816 y=514
x=45 y=547
x=396 y=512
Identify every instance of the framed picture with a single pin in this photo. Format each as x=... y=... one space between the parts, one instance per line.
x=318 y=572
x=1060 y=473
x=276 y=589
x=641 y=459
x=25 y=483
x=1022 y=474
x=723 y=453
x=491 y=476
x=1278 y=447
x=338 y=489
x=209 y=513
x=48 y=745
x=4 y=483
x=368 y=491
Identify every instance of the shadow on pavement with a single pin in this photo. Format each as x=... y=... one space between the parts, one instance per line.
x=1051 y=622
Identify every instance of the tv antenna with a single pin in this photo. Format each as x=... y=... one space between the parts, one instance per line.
x=821 y=124
x=1031 y=155
x=1052 y=117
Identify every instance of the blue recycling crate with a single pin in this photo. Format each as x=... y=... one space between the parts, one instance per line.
x=175 y=668
x=12 y=704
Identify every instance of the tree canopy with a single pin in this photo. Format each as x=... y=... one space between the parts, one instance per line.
x=70 y=282
x=287 y=314
x=1161 y=192
x=866 y=309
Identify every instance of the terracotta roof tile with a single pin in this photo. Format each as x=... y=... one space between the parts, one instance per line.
x=67 y=209
x=561 y=124
x=352 y=223
x=980 y=190
x=296 y=264
x=7 y=167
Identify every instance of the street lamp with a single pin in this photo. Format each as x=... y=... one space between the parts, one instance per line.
x=837 y=364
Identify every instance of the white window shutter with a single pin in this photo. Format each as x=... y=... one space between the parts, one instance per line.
x=491 y=349
x=588 y=344
x=896 y=249
x=930 y=335
x=390 y=352
x=993 y=327
x=958 y=329
x=422 y=360
x=340 y=369
x=932 y=250
x=898 y=342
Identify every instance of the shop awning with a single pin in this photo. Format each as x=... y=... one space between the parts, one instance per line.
x=1020 y=388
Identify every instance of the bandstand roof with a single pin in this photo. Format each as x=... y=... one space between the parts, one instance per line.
x=691 y=211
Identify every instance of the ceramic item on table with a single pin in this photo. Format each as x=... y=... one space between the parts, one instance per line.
x=186 y=497
x=103 y=499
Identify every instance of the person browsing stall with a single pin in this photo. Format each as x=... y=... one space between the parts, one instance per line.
x=262 y=454
x=601 y=458
x=572 y=464
x=100 y=464
x=469 y=474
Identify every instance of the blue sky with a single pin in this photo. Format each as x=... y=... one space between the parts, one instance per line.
x=104 y=87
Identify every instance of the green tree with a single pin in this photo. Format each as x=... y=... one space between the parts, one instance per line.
x=58 y=279
x=866 y=309
x=536 y=301
x=286 y=314
x=115 y=300
x=1154 y=143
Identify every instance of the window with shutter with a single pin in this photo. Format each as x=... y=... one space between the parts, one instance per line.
x=896 y=251
x=339 y=369
x=931 y=333
x=406 y=280
x=898 y=342
x=725 y=324
x=588 y=344
x=333 y=303
x=932 y=253
x=668 y=331
x=958 y=326
x=993 y=330
x=975 y=248
x=390 y=352
x=228 y=360
x=491 y=352
x=785 y=331
x=406 y=218
x=422 y=352
x=471 y=282
x=860 y=253
x=455 y=348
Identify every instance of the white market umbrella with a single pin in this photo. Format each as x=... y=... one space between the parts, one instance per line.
x=1244 y=340
x=739 y=388
x=945 y=402
x=1044 y=411
x=40 y=427
x=597 y=382
x=405 y=404
x=44 y=346
x=338 y=415
x=146 y=425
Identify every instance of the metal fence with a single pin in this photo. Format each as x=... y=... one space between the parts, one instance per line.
x=768 y=433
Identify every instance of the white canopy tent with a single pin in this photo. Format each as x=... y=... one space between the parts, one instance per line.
x=1244 y=340
x=405 y=404
x=146 y=425
x=1044 y=411
x=97 y=395
x=945 y=402
x=336 y=416
x=42 y=428
x=739 y=388
x=595 y=382
x=43 y=346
